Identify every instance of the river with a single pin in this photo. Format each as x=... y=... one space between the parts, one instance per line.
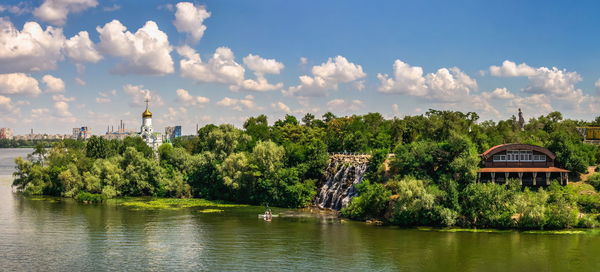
x=41 y=234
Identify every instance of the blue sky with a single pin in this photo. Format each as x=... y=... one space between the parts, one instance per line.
x=291 y=57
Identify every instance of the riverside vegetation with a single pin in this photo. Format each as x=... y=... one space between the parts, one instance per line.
x=430 y=180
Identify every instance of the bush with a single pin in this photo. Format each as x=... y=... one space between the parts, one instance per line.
x=489 y=205
x=86 y=197
x=413 y=204
x=588 y=221
x=561 y=216
x=594 y=180
x=531 y=209
x=370 y=203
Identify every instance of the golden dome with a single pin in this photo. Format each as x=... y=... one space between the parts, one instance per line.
x=147 y=114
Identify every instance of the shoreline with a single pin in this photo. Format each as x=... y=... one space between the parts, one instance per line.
x=208 y=206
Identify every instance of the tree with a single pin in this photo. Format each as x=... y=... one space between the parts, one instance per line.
x=97 y=148
x=258 y=127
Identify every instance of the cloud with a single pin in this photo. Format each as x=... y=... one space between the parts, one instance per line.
x=145 y=52
x=39 y=113
x=60 y=97
x=80 y=48
x=56 y=11
x=104 y=97
x=498 y=93
x=184 y=97
x=114 y=7
x=53 y=84
x=260 y=67
x=260 y=84
x=542 y=79
x=327 y=76
x=220 y=68
x=19 y=9
x=103 y=100
x=6 y=106
x=557 y=85
x=280 y=106
x=446 y=84
x=138 y=95
x=62 y=109
x=189 y=19
x=553 y=81
x=19 y=83
x=80 y=81
x=303 y=60
x=341 y=105
x=536 y=104
x=239 y=104
x=30 y=49
x=263 y=66
x=112 y=92
x=511 y=69
x=396 y=110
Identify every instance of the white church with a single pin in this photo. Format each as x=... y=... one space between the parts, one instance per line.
x=152 y=139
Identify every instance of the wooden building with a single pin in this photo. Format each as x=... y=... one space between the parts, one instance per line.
x=532 y=165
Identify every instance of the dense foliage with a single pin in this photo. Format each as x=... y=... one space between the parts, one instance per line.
x=422 y=172
x=11 y=143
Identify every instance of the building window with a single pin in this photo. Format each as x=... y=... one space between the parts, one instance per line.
x=539 y=158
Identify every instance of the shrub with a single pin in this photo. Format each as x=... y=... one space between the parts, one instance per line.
x=588 y=221
x=561 y=216
x=489 y=205
x=531 y=209
x=371 y=201
x=414 y=203
x=86 y=197
x=594 y=180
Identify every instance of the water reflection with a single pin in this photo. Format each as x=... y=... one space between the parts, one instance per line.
x=62 y=235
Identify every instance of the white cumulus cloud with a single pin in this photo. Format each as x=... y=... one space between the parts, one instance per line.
x=81 y=49
x=220 y=68
x=6 y=106
x=190 y=18
x=280 y=106
x=19 y=83
x=29 y=49
x=260 y=67
x=239 y=104
x=511 y=69
x=499 y=93
x=147 y=51
x=62 y=109
x=184 y=97
x=53 y=84
x=446 y=84
x=56 y=11
x=327 y=76
x=138 y=95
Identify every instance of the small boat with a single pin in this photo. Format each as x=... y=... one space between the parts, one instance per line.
x=262 y=215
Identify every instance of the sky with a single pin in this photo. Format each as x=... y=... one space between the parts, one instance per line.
x=72 y=63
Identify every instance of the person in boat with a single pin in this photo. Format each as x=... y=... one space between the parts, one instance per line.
x=268 y=215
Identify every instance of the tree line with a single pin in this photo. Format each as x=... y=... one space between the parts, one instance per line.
x=431 y=179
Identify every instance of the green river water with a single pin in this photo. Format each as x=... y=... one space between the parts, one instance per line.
x=45 y=234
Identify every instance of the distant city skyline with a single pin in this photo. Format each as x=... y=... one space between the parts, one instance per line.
x=66 y=64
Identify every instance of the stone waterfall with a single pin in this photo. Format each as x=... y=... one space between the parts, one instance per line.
x=342 y=173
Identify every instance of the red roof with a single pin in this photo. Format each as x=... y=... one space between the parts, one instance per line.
x=503 y=147
x=518 y=169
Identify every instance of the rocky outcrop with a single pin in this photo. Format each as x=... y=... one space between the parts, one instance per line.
x=343 y=172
